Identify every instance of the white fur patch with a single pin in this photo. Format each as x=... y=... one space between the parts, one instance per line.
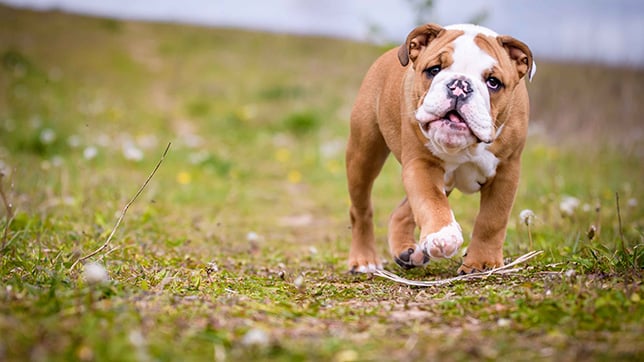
x=445 y=242
x=470 y=169
x=371 y=268
x=469 y=59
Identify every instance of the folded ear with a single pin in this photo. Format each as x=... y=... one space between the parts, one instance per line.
x=416 y=41
x=520 y=53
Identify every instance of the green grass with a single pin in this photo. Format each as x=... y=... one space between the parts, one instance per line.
x=244 y=229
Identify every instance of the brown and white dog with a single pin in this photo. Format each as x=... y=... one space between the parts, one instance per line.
x=451 y=104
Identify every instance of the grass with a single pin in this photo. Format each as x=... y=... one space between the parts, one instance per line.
x=236 y=250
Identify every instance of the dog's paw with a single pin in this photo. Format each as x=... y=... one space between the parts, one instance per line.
x=445 y=242
x=412 y=257
x=364 y=264
x=369 y=268
x=475 y=263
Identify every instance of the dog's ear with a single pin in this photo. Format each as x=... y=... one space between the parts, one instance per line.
x=416 y=41
x=520 y=53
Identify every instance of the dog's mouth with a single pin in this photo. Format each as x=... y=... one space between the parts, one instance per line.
x=455 y=123
x=451 y=119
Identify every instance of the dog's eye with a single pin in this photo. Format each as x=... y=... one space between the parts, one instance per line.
x=493 y=83
x=432 y=71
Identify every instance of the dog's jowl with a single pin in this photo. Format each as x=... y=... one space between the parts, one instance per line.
x=451 y=104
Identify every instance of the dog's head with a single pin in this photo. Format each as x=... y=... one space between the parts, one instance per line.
x=464 y=79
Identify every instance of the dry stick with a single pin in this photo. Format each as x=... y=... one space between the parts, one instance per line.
x=127 y=206
x=501 y=270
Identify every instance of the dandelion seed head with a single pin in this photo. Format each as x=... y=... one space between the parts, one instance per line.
x=95 y=273
x=527 y=216
x=57 y=161
x=568 y=205
x=47 y=136
x=132 y=153
x=90 y=152
x=73 y=141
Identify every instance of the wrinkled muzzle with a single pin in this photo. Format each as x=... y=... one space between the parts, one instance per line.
x=455 y=112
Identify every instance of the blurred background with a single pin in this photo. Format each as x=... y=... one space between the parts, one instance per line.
x=608 y=31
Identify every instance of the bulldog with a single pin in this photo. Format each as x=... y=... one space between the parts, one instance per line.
x=451 y=104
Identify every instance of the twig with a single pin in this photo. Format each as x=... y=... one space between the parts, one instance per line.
x=127 y=206
x=507 y=269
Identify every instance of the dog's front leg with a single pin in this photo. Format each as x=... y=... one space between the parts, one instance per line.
x=486 y=248
x=440 y=234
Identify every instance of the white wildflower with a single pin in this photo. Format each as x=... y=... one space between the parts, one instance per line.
x=90 y=152
x=212 y=268
x=252 y=236
x=73 y=141
x=332 y=148
x=568 y=205
x=95 y=273
x=503 y=322
x=47 y=136
x=632 y=202
x=131 y=152
x=527 y=216
x=57 y=161
x=197 y=158
x=313 y=250
x=256 y=337
x=570 y=273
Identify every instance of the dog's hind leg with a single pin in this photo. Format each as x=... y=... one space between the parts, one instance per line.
x=366 y=154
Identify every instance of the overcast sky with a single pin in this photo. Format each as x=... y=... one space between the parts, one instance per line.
x=609 y=31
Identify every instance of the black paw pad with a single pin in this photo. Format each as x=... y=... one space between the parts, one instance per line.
x=404 y=259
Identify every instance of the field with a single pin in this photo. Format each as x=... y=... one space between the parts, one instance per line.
x=236 y=249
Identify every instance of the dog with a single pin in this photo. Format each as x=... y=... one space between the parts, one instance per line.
x=451 y=104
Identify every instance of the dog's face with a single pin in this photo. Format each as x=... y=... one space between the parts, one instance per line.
x=464 y=78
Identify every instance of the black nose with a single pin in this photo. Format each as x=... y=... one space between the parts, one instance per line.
x=459 y=88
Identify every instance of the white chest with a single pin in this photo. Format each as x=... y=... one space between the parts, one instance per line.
x=469 y=171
